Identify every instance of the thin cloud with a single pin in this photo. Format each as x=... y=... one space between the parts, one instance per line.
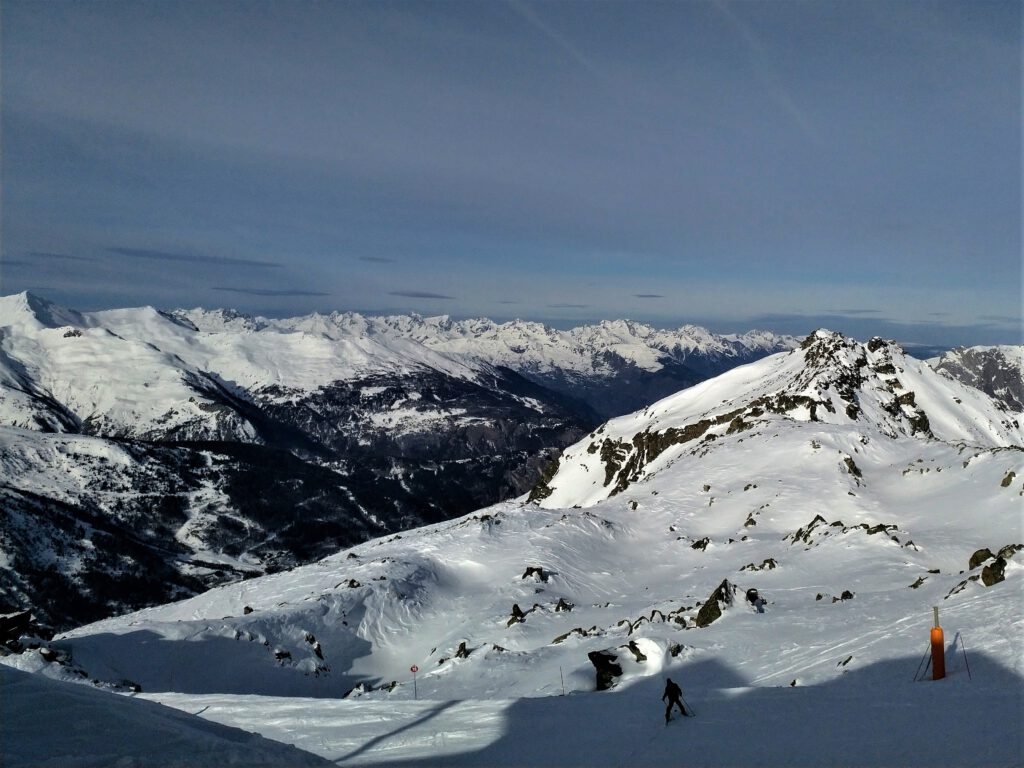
x=269 y=291
x=420 y=295
x=567 y=306
x=851 y=311
x=13 y=263
x=62 y=256
x=999 y=318
x=145 y=253
x=377 y=259
x=648 y=296
x=555 y=36
x=509 y=302
x=765 y=70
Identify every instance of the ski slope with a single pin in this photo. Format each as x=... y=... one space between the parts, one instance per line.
x=851 y=522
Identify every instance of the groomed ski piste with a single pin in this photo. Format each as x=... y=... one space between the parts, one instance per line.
x=852 y=522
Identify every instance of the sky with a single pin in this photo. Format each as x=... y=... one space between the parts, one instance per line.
x=778 y=165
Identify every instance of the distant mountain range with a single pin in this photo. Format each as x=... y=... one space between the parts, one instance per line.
x=147 y=455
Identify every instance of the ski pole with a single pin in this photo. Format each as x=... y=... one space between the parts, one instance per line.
x=964 y=649
x=687 y=705
x=921 y=663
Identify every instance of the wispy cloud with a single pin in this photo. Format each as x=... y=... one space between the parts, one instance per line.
x=648 y=295
x=270 y=291
x=851 y=311
x=567 y=306
x=13 y=263
x=509 y=302
x=60 y=256
x=765 y=70
x=555 y=36
x=420 y=295
x=377 y=259
x=1000 y=318
x=145 y=253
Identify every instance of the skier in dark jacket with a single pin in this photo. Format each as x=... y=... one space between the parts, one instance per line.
x=673 y=695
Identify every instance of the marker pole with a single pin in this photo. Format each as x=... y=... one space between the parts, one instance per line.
x=938 y=648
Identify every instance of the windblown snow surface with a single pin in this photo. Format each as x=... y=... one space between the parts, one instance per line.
x=850 y=484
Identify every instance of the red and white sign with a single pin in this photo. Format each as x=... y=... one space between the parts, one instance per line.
x=414 y=669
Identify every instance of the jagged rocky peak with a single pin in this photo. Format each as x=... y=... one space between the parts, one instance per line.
x=998 y=371
x=832 y=381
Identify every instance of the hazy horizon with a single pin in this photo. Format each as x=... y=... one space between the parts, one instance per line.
x=772 y=165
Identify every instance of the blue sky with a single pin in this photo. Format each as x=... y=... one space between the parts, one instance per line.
x=781 y=165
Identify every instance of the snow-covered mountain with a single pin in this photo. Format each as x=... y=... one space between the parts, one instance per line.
x=830 y=379
x=997 y=371
x=613 y=366
x=852 y=486
x=146 y=454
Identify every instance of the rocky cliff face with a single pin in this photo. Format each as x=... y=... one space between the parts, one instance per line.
x=996 y=371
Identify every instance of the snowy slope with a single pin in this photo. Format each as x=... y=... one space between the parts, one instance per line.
x=79 y=726
x=852 y=506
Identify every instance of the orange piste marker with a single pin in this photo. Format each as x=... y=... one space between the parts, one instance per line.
x=938 y=649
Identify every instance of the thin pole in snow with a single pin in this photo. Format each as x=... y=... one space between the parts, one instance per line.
x=563 y=678
x=921 y=663
x=687 y=704
x=964 y=649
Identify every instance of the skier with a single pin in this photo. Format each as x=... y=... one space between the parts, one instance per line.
x=673 y=694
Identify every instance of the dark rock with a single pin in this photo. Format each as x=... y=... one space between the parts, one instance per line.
x=994 y=572
x=605 y=663
x=804 y=533
x=1009 y=551
x=918 y=583
x=517 y=615
x=979 y=557
x=702 y=544
x=463 y=652
x=1008 y=479
x=542 y=490
x=721 y=598
x=538 y=573
x=14 y=625
x=564 y=605
x=635 y=650
x=247 y=610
